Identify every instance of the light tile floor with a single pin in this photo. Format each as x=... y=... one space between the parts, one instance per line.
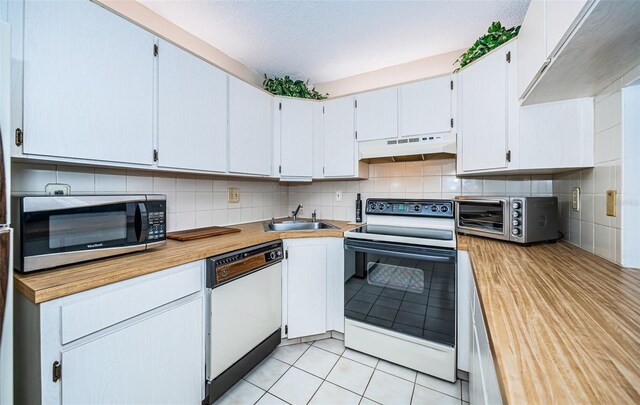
x=324 y=372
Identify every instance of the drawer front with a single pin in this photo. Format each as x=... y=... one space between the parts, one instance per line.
x=89 y=312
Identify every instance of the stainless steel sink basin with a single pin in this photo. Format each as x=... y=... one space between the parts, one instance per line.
x=296 y=226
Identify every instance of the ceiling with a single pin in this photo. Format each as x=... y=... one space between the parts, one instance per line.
x=328 y=40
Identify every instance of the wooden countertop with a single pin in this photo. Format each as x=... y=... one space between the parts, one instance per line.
x=563 y=324
x=51 y=284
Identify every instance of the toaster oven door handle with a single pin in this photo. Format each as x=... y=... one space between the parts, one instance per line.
x=459 y=200
x=141 y=222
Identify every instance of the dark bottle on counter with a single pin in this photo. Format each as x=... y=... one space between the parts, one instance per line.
x=358 y=209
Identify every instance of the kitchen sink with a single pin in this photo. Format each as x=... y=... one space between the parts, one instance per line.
x=296 y=226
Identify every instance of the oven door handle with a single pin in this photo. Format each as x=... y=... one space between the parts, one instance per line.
x=406 y=255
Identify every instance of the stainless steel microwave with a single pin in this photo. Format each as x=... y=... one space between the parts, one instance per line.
x=522 y=220
x=60 y=230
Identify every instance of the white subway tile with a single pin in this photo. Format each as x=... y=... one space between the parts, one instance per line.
x=187 y=183
x=396 y=169
x=110 y=181
x=185 y=220
x=204 y=201
x=472 y=186
x=139 y=182
x=586 y=236
x=31 y=178
x=575 y=232
x=494 y=186
x=587 y=207
x=82 y=180
x=164 y=182
x=220 y=217
x=204 y=219
x=381 y=185
x=413 y=169
x=397 y=185
x=518 y=186
x=431 y=184
x=604 y=242
x=185 y=202
x=381 y=170
x=451 y=185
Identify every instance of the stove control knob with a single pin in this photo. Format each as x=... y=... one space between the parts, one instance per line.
x=272 y=255
x=515 y=214
x=417 y=208
x=381 y=206
x=516 y=222
x=516 y=205
x=372 y=206
x=434 y=208
x=444 y=208
x=515 y=231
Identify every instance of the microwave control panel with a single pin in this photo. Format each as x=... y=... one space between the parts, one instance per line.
x=157 y=223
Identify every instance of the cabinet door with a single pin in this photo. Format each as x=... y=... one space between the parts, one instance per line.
x=296 y=138
x=339 y=139
x=425 y=107
x=531 y=45
x=476 y=379
x=168 y=348
x=88 y=84
x=464 y=281
x=250 y=129
x=377 y=114
x=306 y=289
x=192 y=111
x=560 y=16
x=484 y=112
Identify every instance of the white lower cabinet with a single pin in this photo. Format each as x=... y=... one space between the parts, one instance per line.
x=465 y=333
x=136 y=341
x=483 y=380
x=313 y=282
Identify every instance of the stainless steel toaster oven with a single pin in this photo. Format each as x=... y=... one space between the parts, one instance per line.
x=522 y=220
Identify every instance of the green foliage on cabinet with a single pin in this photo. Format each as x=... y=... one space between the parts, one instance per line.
x=496 y=36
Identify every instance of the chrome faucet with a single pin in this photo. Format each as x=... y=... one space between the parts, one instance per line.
x=313 y=216
x=294 y=214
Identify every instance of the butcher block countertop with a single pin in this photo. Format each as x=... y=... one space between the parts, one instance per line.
x=51 y=284
x=563 y=324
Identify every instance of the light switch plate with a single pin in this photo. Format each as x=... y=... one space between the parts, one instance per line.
x=575 y=199
x=57 y=189
x=611 y=202
x=338 y=195
x=233 y=195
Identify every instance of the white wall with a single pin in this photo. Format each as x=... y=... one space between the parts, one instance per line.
x=192 y=201
x=429 y=179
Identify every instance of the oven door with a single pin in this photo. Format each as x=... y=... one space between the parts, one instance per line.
x=404 y=288
x=483 y=217
x=83 y=231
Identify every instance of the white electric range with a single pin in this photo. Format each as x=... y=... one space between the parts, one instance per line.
x=400 y=285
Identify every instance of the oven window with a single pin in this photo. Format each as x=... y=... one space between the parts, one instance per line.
x=411 y=296
x=86 y=228
x=483 y=216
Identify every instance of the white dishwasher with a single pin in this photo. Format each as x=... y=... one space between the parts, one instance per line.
x=244 y=307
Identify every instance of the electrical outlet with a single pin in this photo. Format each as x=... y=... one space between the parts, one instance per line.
x=57 y=189
x=611 y=202
x=233 y=195
x=338 y=195
x=575 y=199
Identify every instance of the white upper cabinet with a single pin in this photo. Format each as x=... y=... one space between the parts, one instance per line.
x=501 y=136
x=545 y=26
x=192 y=111
x=250 y=129
x=484 y=111
x=532 y=55
x=377 y=114
x=296 y=137
x=88 y=84
x=425 y=107
x=339 y=139
x=560 y=17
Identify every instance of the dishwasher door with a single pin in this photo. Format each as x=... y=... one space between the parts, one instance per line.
x=244 y=312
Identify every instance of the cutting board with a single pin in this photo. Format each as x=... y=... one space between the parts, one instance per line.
x=191 y=234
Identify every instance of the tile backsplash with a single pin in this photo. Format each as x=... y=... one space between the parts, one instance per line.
x=192 y=201
x=428 y=179
x=590 y=228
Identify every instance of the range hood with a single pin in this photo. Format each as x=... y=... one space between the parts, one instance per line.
x=407 y=149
